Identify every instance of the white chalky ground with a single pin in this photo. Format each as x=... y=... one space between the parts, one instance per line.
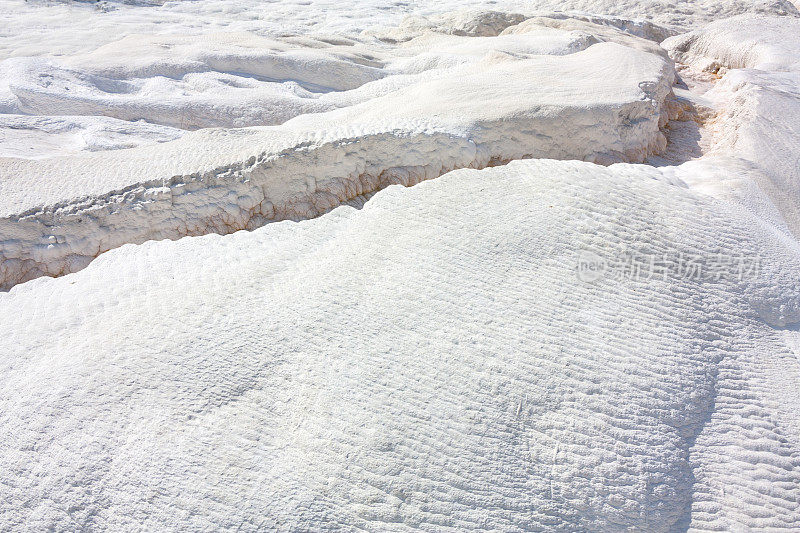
x=552 y=343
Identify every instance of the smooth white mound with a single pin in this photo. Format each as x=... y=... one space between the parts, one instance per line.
x=429 y=362
x=500 y=99
x=756 y=133
x=747 y=41
x=186 y=82
x=183 y=78
x=239 y=79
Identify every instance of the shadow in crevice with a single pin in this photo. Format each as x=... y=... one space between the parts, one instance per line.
x=684 y=523
x=683 y=144
x=684 y=134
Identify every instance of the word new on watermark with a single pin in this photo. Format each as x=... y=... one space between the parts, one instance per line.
x=680 y=266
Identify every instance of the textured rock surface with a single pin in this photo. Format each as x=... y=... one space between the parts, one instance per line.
x=60 y=213
x=755 y=133
x=78 y=26
x=542 y=345
x=430 y=361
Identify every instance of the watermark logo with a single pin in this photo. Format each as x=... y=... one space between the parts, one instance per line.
x=591 y=266
x=679 y=266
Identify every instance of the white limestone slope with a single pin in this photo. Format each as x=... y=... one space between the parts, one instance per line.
x=66 y=27
x=184 y=82
x=238 y=63
x=494 y=100
x=756 y=133
x=438 y=359
x=747 y=41
x=429 y=362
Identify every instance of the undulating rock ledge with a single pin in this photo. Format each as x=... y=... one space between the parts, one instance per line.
x=604 y=104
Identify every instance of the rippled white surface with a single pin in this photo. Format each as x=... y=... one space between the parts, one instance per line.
x=542 y=345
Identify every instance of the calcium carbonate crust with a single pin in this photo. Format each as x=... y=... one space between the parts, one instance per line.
x=220 y=181
x=432 y=361
x=757 y=105
x=437 y=359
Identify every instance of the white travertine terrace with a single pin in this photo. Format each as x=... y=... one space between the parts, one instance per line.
x=508 y=97
x=478 y=351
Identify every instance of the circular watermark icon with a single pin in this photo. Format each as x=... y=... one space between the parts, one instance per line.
x=591 y=266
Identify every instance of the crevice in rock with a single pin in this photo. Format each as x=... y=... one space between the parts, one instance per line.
x=300 y=174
